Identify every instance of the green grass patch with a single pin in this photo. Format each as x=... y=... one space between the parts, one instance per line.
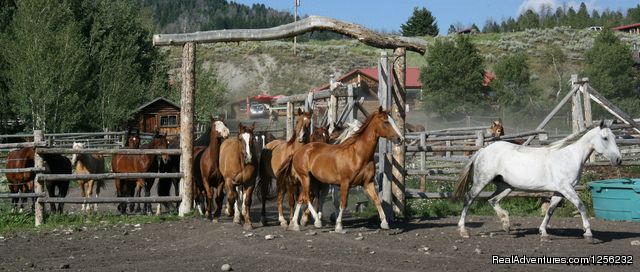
x=13 y=222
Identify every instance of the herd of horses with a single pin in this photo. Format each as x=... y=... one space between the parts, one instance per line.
x=310 y=161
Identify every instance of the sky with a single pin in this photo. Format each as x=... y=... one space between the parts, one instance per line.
x=388 y=15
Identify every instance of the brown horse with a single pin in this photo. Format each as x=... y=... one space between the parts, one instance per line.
x=238 y=166
x=348 y=164
x=57 y=164
x=206 y=170
x=137 y=164
x=88 y=164
x=20 y=182
x=271 y=158
x=320 y=134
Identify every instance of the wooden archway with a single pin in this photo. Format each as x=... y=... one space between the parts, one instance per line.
x=309 y=24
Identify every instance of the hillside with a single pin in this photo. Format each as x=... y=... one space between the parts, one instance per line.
x=271 y=67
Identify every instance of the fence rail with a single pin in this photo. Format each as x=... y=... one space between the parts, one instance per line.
x=92 y=200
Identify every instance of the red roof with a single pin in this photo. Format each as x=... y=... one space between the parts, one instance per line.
x=626 y=26
x=413 y=77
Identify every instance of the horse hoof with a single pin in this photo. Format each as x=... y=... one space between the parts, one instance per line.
x=236 y=220
x=294 y=227
x=340 y=231
x=589 y=239
x=215 y=220
x=303 y=221
x=248 y=226
x=506 y=229
x=284 y=225
x=318 y=224
x=384 y=225
x=464 y=234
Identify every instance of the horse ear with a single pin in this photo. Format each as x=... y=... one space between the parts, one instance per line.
x=380 y=109
x=601 y=125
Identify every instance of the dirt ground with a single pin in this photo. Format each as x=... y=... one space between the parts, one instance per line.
x=416 y=245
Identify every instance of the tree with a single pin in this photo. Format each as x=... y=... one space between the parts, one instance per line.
x=7 y=8
x=48 y=63
x=554 y=58
x=453 y=88
x=528 y=19
x=421 y=23
x=475 y=29
x=452 y=30
x=633 y=14
x=609 y=66
x=513 y=88
x=582 y=17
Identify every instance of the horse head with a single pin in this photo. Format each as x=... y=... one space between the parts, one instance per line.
x=497 y=129
x=302 y=125
x=605 y=143
x=133 y=141
x=320 y=134
x=74 y=157
x=217 y=124
x=245 y=134
x=159 y=141
x=386 y=127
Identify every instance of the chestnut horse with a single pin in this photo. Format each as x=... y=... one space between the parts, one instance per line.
x=348 y=164
x=137 y=164
x=238 y=166
x=20 y=182
x=206 y=170
x=320 y=134
x=271 y=158
x=88 y=164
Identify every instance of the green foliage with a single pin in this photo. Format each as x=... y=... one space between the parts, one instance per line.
x=513 y=89
x=421 y=23
x=609 y=66
x=453 y=78
x=48 y=60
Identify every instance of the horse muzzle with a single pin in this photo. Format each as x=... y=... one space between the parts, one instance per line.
x=616 y=161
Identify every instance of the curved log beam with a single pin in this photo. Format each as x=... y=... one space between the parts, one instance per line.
x=309 y=24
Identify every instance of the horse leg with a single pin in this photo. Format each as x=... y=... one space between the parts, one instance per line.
x=502 y=191
x=231 y=199
x=121 y=206
x=89 y=192
x=335 y=196
x=246 y=206
x=322 y=196
x=468 y=199
x=570 y=194
x=219 y=199
x=138 y=190
x=303 y=198
x=236 y=210
x=64 y=189
x=83 y=193
x=282 y=190
x=209 y=191
x=344 y=193
x=370 y=188
x=555 y=200
x=148 y=184
x=51 y=189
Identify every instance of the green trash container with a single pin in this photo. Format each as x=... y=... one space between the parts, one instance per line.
x=616 y=199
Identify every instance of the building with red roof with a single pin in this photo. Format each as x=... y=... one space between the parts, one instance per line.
x=632 y=28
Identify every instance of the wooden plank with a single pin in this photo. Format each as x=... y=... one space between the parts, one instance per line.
x=91 y=200
x=577 y=115
x=186 y=126
x=21 y=145
x=552 y=113
x=122 y=151
x=430 y=148
x=290 y=120
x=433 y=171
x=588 y=115
x=50 y=177
x=384 y=170
x=613 y=109
x=22 y=170
x=309 y=24
x=21 y=195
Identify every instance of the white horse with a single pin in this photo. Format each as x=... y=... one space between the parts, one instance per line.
x=88 y=164
x=555 y=168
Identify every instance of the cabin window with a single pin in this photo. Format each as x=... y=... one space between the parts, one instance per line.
x=169 y=121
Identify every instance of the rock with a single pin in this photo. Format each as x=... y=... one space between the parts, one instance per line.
x=125 y=233
x=29 y=264
x=282 y=247
x=250 y=234
x=359 y=238
x=136 y=225
x=492 y=234
x=226 y=267
x=477 y=251
x=455 y=248
x=372 y=252
x=64 y=266
x=269 y=237
x=635 y=243
x=424 y=249
x=311 y=233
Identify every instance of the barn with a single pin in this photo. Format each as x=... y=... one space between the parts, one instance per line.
x=158 y=113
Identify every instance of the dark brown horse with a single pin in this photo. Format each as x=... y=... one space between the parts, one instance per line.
x=57 y=164
x=137 y=164
x=20 y=182
x=348 y=164
x=271 y=158
x=238 y=166
x=320 y=134
x=206 y=170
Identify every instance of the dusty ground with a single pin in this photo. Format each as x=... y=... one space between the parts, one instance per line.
x=418 y=245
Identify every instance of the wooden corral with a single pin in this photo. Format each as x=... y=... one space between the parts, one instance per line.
x=159 y=113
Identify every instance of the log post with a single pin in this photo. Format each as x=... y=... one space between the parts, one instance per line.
x=423 y=161
x=38 y=185
x=384 y=180
x=588 y=117
x=398 y=114
x=333 y=105
x=479 y=138
x=289 y=120
x=353 y=114
x=186 y=127
x=577 y=116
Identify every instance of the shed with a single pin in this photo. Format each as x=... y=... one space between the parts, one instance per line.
x=159 y=113
x=632 y=28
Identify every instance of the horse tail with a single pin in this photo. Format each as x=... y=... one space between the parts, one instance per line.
x=263 y=187
x=197 y=178
x=464 y=179
x=284 y=173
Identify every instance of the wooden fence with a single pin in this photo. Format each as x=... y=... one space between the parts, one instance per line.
x=44 y=147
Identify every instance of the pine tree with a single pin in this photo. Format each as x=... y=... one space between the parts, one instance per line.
x=421 y=23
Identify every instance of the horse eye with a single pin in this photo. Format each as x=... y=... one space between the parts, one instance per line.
x=605 y=138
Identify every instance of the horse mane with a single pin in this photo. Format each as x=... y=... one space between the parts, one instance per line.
x=569 y=139
x=204 y=139
x=360 y=131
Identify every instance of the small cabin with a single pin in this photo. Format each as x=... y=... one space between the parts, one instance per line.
x=159 y=113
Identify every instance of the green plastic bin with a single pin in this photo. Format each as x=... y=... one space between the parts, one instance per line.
x=616 y=199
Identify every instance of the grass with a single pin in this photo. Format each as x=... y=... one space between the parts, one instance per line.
x=13 y=222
